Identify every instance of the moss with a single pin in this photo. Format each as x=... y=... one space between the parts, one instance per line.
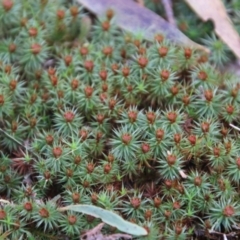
x=141 y=128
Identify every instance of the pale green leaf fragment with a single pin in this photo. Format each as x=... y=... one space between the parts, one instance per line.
x=109 y=218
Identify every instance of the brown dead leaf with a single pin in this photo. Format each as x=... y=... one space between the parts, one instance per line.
x=134 y=18
x=215 y=10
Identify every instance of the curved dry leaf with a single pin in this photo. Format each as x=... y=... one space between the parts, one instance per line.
x=215 y=10
x=133 y=18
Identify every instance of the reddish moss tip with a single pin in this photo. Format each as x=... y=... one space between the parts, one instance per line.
x=151 y=116
x=74 y=11
x=12 y=47
x=163 y=51
x=89 y=65
x=202 y=75
x=105 y=26
x=57 y=152
x=68 y=60
x=36 y=48
x=142 y=61
x=228 y=211
x=1 y=100
x=109 y=14
x=28 y=206
x=43 y=212
x=145 y=147
x=171 y=159
x=164 y=74
x=2 y=214
x=72 y=219
x=135 y=202
x=172 y=116
x=33 y=32
x=76 y=197
x=60 y=14
x=7 y=4
x=126 y=138
x=69 y=116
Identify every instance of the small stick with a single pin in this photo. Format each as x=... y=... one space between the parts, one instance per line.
x=235 y=127
x=231 y=234
x=167 y=4
x=182 y=173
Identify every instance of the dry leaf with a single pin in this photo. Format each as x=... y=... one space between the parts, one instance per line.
x=215 y=10
x=133 y=18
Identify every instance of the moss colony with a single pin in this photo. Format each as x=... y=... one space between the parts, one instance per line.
x=143 y=129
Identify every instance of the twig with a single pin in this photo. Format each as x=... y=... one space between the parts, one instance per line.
x=182 y=173
x=4 y=201
x=225 y=237
x=167 y=4
x=231 y=234
x=235 y=127
x=236 y=227
x=95 y=233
